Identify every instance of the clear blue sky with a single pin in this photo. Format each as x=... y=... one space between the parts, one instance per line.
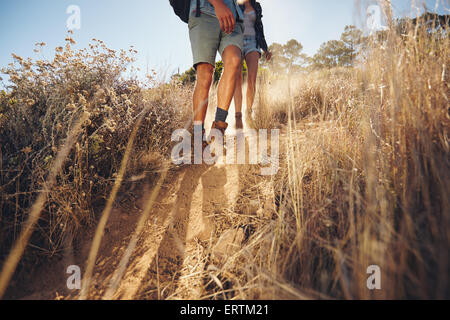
x=159 y=36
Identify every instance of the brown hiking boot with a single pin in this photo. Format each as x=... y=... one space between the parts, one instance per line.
x=221 y=126
x=239 y=123
x=204 y=142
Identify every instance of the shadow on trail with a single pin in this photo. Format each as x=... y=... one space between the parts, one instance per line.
x=164 y=272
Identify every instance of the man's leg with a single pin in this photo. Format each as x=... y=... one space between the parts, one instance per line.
x=231 y=57
x=205 y=73
x=231 y=66
x=201 y=94
x=238 y=92
x=230 y=49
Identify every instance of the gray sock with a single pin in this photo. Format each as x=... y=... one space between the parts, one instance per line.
x=199 y=127
x=221 y=115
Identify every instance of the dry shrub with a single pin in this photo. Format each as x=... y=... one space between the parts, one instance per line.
x=40 y=107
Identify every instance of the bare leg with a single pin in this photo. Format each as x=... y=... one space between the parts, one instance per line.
x=252 y=60
x=201 y=93
x=238 y=99
x=231 y=63
x=238 y=92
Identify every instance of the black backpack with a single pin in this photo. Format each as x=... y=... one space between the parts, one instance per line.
x=182 y=8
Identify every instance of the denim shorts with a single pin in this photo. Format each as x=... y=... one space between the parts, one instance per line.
x=250 y=45
x=207 y=38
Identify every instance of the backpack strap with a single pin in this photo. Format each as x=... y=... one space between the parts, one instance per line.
x=242 y=7
x=197 y=14
x=239 y=20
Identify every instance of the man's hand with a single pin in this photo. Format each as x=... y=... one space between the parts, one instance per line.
x=224 y=15
x=268 y=55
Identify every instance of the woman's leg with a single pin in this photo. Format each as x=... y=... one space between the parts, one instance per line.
x=238 y=92
x=252 y=60
x=238 y=100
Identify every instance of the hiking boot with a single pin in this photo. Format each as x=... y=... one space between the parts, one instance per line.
x=221 y=126
x=204 y=142
x=239 y=123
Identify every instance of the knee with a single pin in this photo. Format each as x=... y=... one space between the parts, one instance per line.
x=204 y=76
x=234 y=63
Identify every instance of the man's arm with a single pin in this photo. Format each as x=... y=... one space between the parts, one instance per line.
x=224 y=15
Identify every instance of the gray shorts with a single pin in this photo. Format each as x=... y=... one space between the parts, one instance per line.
x=250 y=46
x=207 y=38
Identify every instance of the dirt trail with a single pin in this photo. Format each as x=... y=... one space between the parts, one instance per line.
x=174 y=247
x=170 y=248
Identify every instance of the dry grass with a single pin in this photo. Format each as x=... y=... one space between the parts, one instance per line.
x=41 y=109
x=366 y=175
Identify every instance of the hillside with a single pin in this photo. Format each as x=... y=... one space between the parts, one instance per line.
x=363 y=180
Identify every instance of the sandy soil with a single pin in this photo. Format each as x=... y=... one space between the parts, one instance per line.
x=185 y=223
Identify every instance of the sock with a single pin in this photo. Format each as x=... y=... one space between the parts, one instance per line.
x=221 y=115
x=199 y=126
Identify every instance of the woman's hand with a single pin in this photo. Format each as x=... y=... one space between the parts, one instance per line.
x=268 y=55
x=224 y=15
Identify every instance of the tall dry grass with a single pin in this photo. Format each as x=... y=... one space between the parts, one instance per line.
x=365 y=178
